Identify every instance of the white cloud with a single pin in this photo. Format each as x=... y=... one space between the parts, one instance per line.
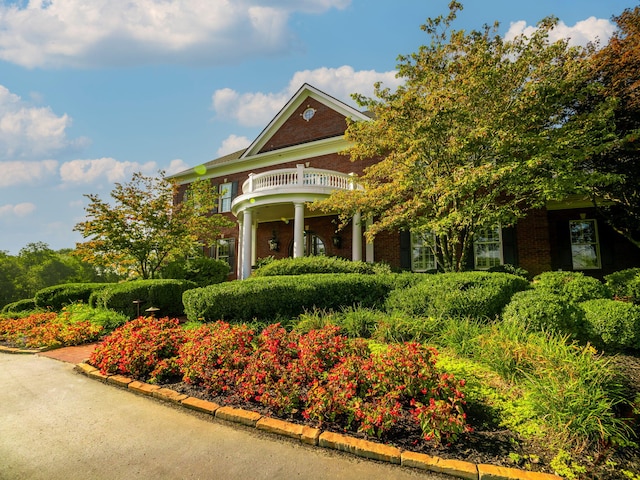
x=13 y=173
x=31 y=132
x=233 y=143
x=90 y=171
x=18 y=210
x=258 y=108
x=590 y=30
x=54 y=33
x=177 y=165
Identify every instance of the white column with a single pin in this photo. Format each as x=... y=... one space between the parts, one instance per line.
x=369 y=245
x=240 y=243
x=254 y=240
x=298 y=230
x=356 y=241
x=247 y=244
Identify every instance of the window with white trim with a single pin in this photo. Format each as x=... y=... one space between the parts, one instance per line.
x=585 y=247
x=487 y=248
x=225 y=191
x=423 y=258
x=222 y=250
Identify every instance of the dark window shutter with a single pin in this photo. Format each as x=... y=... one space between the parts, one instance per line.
x=234 y=189
x=405 y=250
x=214 y=209
x=509 y=246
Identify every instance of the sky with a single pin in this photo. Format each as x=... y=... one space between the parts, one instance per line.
x=91 y=92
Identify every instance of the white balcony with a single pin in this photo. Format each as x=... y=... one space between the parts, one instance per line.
x=299 y=179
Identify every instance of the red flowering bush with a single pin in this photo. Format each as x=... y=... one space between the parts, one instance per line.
x=145 y=348
x=214 y=355
x=284 y=364
x=47 y=330
x=321 y=374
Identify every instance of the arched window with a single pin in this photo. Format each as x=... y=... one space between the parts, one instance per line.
x=313 y=245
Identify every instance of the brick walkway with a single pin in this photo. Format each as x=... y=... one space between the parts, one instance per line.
x=70 y=354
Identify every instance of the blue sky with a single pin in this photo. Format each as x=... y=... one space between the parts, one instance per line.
x=91 y=92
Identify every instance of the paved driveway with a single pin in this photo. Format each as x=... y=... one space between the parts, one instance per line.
x=58 y=424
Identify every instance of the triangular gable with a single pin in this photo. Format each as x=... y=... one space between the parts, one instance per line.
x=289 y=127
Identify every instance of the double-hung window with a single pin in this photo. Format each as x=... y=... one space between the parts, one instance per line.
x=224 y=250
x=585 y=247
x=423 y=258
x=225 y=191
x=487 y=248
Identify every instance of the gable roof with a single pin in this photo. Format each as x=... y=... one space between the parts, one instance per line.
x=304 y=92
x=257 y=147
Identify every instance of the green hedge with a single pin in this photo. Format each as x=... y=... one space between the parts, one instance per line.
x=23 y=305
x=284 y=297
x=470 y=294
x=201 y=270
x=543 y=310
x=318 y=264
x=58 y=296
x=573 y=286
x=165 y=294
x=625 y=284
x=612 y=325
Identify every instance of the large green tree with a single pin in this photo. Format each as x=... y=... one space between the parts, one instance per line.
x=482 y=130
x=617 y=67
x=146 y=226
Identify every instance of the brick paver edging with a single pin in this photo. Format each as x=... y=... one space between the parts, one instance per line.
x=316 y=437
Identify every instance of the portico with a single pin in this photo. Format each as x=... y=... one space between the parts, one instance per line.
x=281 y=195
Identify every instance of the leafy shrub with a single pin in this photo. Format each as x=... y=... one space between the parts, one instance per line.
x=512 y=269
x=318 y=264
x=271 y=298
x=163 y=294
x=476 y=294
x=108 y=319
x=359 y=322
x=144 y=348
x=202 y=271
x=573 y=286
x=611 y=324
x=541 y=309
x=58 y=296
x=625 y=284
x=23 y=305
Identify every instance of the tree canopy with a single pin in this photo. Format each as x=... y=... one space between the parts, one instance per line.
x=617 y=67
x=482 y=130
x=146 y=226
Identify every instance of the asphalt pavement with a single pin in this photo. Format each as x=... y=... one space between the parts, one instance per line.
x=56 y=424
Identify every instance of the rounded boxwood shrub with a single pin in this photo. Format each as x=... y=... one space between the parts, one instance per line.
x=202 y=271
x=165 y=294
x=625 y=284
x=611 y=324
x=543 y=310
x=57 y=296
x=573 y=286
x=23 y=305
x=318 y=264
x=460 y=294
x=274 y=298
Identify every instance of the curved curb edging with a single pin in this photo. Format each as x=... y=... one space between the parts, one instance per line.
x=23 y=351
x=316 y=437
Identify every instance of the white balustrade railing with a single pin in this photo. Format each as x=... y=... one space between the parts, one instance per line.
x=299 y=177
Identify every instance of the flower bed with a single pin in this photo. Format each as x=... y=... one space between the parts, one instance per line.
x=47 y=330
x=325 y=376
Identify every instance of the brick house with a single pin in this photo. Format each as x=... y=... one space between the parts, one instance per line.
x=296 y=160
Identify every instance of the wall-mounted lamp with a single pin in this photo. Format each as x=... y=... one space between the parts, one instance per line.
x=274 y=243
x=337 y=241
